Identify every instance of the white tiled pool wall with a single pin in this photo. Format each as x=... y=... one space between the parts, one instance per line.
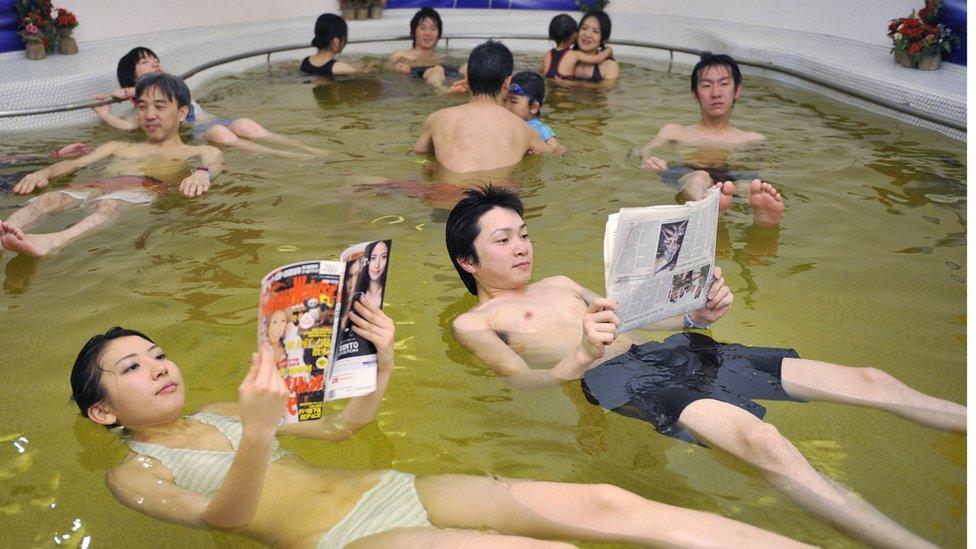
x=858 y=65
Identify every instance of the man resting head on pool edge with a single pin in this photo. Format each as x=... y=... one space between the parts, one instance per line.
x=481 y=134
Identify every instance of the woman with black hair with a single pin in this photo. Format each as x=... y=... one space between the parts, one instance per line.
x=331 y=34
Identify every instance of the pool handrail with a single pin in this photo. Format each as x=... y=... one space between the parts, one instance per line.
x=903 y=108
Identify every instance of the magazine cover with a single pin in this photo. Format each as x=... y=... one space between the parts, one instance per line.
x=296 y=317
x=304 y=315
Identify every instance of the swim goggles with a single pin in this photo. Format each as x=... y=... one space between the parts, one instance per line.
x=515 y=89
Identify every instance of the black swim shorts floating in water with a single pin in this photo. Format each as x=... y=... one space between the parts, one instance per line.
x=656 y=381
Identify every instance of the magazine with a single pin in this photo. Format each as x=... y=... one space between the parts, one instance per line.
x=658 y=260
x=304 y=316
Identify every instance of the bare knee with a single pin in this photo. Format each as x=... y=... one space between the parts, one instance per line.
x=874 y=377
x=766 y=448
x=607 y=499
x=245 y=127
x=220 y=135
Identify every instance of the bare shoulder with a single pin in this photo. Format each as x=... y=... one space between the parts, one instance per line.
x=670 y=131
x=471 y=321
x=134 y=468
x=559 y=281
x=227 y=409
x=753 y=137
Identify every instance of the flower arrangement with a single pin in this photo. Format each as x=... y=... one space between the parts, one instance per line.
x=921 y=35
x=64 y=19
x=36 y=15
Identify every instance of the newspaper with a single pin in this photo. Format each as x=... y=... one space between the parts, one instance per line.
x=304 y=315
x=658 y=260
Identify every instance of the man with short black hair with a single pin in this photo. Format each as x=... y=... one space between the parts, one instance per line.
x=716 y=84
x=481 y=134
x=688 y=386
x=162 y=102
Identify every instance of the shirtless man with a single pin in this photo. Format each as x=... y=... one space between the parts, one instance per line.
x=481 y=134
x=689 y=386
x=716 y=84
x=162 y=102
x=422 y=60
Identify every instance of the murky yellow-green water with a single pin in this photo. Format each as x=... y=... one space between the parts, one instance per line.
x=868 y=269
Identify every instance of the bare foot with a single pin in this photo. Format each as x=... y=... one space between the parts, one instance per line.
x=7 y=227
x=724 y=201
x=767 y=204
x=34 y=245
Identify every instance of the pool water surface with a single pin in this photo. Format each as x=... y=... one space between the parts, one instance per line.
x=868 y=269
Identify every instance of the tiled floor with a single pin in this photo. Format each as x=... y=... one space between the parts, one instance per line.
x=868 y=69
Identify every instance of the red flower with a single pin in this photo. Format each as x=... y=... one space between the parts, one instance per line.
x=923 y=14
x=915 y=48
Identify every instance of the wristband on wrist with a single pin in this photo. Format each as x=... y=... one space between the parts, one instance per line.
x=204 y=169
x=689 y=323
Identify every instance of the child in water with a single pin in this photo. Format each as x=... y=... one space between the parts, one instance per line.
x=525 y=97
x=562 y=31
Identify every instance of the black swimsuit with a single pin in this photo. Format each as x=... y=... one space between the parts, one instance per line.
x=556 y=57
x=324 y=70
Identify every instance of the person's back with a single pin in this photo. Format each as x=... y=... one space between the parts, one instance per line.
x=480 y=135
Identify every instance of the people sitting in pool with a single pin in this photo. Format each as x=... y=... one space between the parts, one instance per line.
x=481 y=134
x=561 y=61
x=240 y=133
x=331 y=33
x=422 y=59
x=716 y=83
x=222 y=468
x=690 y=387
x=525 y=97
x=162 y=102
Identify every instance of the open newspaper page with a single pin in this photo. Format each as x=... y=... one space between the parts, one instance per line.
x=352 y=371
x=659 y=260
x=296 y=317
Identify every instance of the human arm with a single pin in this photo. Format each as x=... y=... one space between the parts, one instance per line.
x=594 y=58
x=104 y=111
x=555 y=146
x=199 y=181
x=536 y=145
x=546 y=61
x=144 y=485
x=650 y=162
x=40 y=178
x=425 y=143
x=372 y=324
x=354 y=68
x=599 y=329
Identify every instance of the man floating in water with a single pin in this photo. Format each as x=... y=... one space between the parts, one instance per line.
x=162 y=102
x=481 y=134
x=716 y=83
x=689 y=386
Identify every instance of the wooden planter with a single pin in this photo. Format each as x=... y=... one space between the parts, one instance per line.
x=348 y=13
x=375 y=12
x=362 y=13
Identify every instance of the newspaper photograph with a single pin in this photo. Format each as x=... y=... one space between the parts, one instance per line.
x=658 y=260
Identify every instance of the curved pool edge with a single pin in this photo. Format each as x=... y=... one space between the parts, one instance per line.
x=863 y=68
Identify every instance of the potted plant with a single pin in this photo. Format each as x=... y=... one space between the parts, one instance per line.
x=65 y=23
x=919 y=39
x=34 y=41
x=38 y=14
x=376 y=8
x=348 y=9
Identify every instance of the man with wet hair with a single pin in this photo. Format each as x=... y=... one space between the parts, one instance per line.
x=481 y=134
x=716 y=84
x=422 y=60
x=162 y=102
x=538 y=334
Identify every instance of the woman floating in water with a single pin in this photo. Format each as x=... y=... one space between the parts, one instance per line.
x=222 y=468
